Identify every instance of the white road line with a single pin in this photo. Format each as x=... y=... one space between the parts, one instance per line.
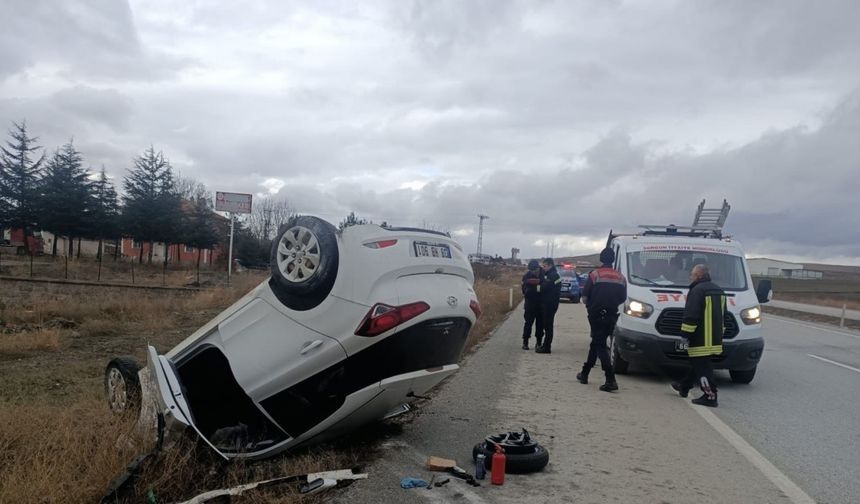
x=794 y=493
x=846 y=366
x=809 y=326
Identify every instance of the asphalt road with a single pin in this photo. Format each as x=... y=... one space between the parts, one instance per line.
x=829 y=311
x=802 y=411
x=643 y=444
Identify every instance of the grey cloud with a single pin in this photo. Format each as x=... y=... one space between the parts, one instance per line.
x=83 y=38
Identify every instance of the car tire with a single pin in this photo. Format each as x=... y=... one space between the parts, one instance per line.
x=742 y=377
x=575 y=299
x=515 y=463
x=122 y=385
x=619 y=365
x=304 y=262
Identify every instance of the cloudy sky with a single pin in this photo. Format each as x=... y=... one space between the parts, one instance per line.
x=558 y=119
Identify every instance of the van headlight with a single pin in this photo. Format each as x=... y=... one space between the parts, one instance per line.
x=751 y=315
x=638 y=309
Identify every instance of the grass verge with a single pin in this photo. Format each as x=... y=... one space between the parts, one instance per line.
x=59 y=444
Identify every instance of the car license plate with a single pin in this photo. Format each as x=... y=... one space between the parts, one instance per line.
x=682 y=346
x=424 y=249
x=565 y=288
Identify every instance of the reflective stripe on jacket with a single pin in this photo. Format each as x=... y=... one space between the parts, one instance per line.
x=703 y=318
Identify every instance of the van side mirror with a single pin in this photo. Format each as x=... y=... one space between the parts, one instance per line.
x=764 y=291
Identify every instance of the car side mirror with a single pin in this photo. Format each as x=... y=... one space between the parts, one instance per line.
x=764 y=291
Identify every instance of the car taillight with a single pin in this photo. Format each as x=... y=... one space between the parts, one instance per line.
x=383 y=317
x=380 y=244
x=476 y=308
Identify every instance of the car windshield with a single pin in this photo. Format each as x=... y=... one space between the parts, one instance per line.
x=566 y=273
x=670 y=268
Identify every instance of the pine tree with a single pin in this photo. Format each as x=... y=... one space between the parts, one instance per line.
x=104 y=216
x=19 y=181
x=200 y=228
x=151 y=207
x=65 y=196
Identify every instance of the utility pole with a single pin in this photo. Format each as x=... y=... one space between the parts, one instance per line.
x=482 y=218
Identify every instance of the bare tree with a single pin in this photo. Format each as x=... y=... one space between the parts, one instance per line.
x=267 y=216
x=190 y=189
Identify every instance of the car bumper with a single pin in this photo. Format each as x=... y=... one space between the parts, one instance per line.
x=635 y=346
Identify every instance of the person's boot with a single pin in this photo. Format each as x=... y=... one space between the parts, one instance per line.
x=542 y=349
x=582 y=376
x=525 y=344
x=611 y=385
x=682 y=390
x=704 y=400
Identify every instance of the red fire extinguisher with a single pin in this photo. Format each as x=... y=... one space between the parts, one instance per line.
x=498 y=471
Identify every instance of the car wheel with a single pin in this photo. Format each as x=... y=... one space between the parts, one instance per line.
x=304 y=261
x=619 y=365
x=575 y=299
x=515 y=463
x=743 y=377
x=122 y=385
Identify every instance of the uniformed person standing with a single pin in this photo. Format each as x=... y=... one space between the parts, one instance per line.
x=604 y=291
x=550 y=290
x=531 y=297
x=703 y=326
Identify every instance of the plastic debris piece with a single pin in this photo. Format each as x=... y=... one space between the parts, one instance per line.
x=413 y=483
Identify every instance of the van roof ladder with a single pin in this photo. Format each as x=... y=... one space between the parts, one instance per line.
x=708 y=223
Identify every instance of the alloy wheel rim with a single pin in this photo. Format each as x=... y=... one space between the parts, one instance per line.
x=117 y=391
x=298 y=254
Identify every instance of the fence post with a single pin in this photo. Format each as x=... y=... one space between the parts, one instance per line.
x=511 y=298
x=66 y=269
x=132 y=272
x=842 y=319
x=31 y=264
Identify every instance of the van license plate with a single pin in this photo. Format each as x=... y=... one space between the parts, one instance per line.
x=424 y=249
x=682 y=346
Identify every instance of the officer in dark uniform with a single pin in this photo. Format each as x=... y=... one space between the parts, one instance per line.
x=550 y=291
x=531 y=296
x=604 y=291
x=703 y=326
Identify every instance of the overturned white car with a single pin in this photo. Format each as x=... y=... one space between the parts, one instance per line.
x=350 y=327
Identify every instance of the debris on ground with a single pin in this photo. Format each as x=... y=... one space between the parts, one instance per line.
x=440 y=464
x=306 y=483
x=413 y=483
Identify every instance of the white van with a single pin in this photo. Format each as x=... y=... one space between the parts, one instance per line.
x=657 y=264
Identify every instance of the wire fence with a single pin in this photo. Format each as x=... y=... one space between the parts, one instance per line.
x=110 y=270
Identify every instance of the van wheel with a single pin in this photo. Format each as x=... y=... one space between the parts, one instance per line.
x=122 y=385
x=619 y=365
x=743 y=377
x=304 y=261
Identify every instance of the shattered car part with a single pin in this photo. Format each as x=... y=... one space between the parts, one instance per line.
x=350 y=326
x=306 y=483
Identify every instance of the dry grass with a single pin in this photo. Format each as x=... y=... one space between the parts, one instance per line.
x=59 y=444
x=494 y=296
x=42 y=339
x=53 y=453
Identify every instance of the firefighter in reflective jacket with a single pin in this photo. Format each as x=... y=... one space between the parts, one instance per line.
x=550 y=291
x=531 y=297
x=703 y=327
x=604 y=291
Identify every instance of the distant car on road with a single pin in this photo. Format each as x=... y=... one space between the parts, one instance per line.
x=571 y=283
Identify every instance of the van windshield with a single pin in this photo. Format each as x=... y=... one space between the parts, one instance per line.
x=670 y=268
